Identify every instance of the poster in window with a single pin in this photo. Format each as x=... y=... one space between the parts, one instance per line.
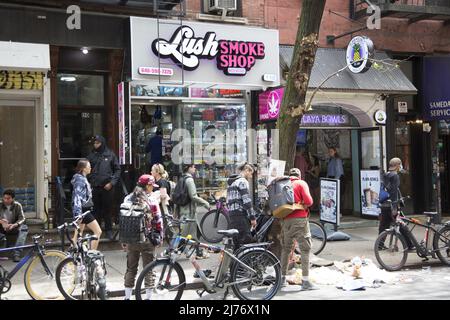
x=329 y=201
x=370 y=188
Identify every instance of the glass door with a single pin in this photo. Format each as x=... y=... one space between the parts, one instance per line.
x=18 y=151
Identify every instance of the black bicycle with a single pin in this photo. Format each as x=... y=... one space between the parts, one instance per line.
x=252 y=272
x=391 y=247
x=39 y=278
x=82 y=275
x=214 y=220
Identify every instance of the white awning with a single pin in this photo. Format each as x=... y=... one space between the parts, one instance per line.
x=19 y=56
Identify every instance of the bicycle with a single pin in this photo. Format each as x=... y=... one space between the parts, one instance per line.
x=252 y=271
x=82 y=275
x=391 y=247
x=215 y=220
x=39 y=278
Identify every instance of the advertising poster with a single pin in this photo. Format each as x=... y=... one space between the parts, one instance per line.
x=370 y=188
x=329 y=200
x=276 y=169
x=269 y=104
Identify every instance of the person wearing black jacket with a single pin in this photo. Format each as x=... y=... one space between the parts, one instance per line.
x=104 y=176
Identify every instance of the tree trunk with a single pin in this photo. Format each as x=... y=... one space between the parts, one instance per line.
x=293 y=104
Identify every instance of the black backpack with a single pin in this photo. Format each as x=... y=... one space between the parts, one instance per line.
x=180 y=195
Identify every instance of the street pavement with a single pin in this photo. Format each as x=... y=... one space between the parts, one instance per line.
x=420 y=282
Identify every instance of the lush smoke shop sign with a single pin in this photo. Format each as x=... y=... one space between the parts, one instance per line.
x=234 y=58
x=359 y=52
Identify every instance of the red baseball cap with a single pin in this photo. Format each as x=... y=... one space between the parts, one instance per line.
x=147 y=179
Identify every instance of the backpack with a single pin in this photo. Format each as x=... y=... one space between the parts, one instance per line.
x=281 y=197
x=131 y=223
x=180 y=195
x=383 y=195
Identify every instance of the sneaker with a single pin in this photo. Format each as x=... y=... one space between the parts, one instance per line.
x=207 y=272
x=16 y=258
x=201 y=255
x=381 y=247
x=307 y=285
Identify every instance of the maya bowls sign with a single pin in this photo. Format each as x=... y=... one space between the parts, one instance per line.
x=359 y=52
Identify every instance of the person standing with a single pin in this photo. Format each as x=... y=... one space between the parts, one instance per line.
x=239 y=203
x=12 y=222
x=163 y=187
x=295 y=226
x=104 y=176
x=313 y=180
x=143 y=197
x=82 y=201
x=154 y=147
x=189 y=210
x=335 y=169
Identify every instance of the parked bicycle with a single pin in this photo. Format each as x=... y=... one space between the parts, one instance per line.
x=391 y=247
x=252 y=272
x=39 y=276
x=82 y=275
x=215 y=220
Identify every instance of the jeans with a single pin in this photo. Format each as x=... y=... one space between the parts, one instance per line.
x=242 y=224
x=102 y=206
x=14 y=238
x=386 y=221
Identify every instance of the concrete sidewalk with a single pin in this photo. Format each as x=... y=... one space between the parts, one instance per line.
x=361 y=244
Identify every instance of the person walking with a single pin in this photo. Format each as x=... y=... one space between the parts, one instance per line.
x=239 y=203
x=143 y=197
x=104 y=176
x=82 y=201
x=189 y=210
x=12 y=223
x=295 y=226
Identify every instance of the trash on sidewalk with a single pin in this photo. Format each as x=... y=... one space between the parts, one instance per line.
x=352 y=285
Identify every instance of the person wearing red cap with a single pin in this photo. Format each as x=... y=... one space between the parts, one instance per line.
x=143 y=196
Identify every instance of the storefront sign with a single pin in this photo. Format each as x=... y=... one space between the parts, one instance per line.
x=216 y=93
x=21 y=80
x=227 y=56
x=233 y=57
x=330 y=200
x=269 y=104
x=156 y=71
x=324 y=120
x=124 y=115
x=436 y=81
x=359 y=52
x=380 y=117
x=370 y=188
x=139 y=90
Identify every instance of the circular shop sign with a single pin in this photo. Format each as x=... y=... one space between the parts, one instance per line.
x=359 y=52
x=380 y=117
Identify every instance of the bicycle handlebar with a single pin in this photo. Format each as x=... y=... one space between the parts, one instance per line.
x=74 y=222
x=399 y=200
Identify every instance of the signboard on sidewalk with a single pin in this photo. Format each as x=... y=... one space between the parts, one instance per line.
x=370 y=188
x=330 y=201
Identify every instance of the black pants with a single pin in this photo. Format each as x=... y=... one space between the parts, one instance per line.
x=102 y=206
x=242 y=224
x=386 y=220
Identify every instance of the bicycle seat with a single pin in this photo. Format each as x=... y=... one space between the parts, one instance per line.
x=228 y=233
x=430 y=214
x=37 y=237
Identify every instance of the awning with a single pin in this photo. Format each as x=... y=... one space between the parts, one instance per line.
x=20 y=56
x=389 y=79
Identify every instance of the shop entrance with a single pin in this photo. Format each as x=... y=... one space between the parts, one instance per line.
x=445 y=174
x=18 y=151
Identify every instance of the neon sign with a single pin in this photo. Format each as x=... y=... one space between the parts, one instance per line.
x=234 y=58
x=325 y=119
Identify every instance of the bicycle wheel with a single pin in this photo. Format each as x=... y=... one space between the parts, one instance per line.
x=264 y=283
x=41 y=284
x=211 y=222
x=161 y=280
x=318 y=237
x=441 y=243
x=69 y=279
x=391 y=250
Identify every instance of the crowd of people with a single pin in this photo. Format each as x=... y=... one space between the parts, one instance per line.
x=97 y=175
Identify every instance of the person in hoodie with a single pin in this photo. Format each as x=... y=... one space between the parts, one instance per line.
x=82 y=201
x=104 y=176
x=295 y=226
x=239 y=202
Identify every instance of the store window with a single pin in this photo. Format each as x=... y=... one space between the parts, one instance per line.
x=370 y=150
x=403 y=151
